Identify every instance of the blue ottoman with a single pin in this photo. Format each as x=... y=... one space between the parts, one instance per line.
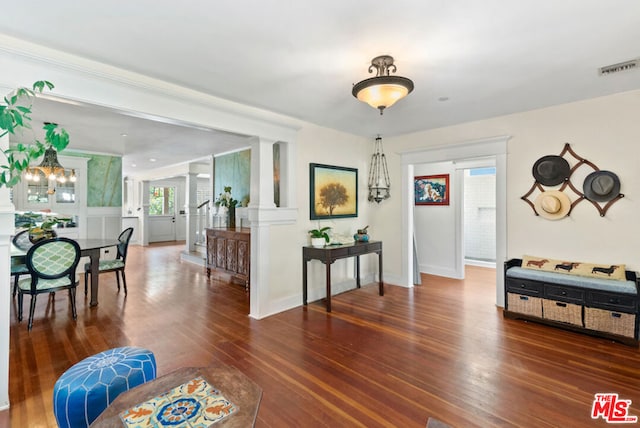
x=88 y=387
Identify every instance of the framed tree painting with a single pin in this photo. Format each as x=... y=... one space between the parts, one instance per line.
x=333 y=191
x=431 y=189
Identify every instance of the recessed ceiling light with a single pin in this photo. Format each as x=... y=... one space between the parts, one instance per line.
x=124 y=134
x=152 y=159
x=133 y=165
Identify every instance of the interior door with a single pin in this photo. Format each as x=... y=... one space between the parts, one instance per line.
x=162 y=214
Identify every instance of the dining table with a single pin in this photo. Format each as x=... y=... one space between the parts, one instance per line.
x=88 y=248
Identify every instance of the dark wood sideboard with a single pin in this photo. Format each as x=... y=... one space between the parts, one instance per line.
x=229 y=251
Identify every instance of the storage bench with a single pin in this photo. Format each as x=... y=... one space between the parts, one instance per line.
x=597 y=306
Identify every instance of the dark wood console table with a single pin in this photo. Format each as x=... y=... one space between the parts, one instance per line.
x=330 y=254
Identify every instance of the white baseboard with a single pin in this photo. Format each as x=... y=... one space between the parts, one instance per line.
x=480 y=263
x=439 y=271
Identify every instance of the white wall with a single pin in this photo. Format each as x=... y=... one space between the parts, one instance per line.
x=603 y=130
x=435 y=226
x=320 y=145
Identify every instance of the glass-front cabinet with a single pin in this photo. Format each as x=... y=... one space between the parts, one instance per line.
x=67 y=198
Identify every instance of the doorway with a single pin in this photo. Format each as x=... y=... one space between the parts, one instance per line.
x=162 y=213
x=479 y=215
x=493 y=148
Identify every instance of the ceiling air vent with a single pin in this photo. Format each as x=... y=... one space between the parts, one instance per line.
x=621 y=66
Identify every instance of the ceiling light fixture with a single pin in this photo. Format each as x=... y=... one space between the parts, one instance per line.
x=379 y=183
x=383 y=90
x=51 y=168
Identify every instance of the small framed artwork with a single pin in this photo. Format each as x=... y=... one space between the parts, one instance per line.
x=333 y=191
x=431 y=189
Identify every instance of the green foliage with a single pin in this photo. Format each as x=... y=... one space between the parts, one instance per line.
x=47 y=221
x=225 y=199
x=161 y=200
x=320 y=233
x=15 y=114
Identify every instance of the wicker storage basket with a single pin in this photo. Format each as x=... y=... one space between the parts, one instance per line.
x=609 y=321
x=527 y=305
x=563 y=312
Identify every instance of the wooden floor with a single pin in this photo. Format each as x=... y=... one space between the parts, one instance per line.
x=441 y=349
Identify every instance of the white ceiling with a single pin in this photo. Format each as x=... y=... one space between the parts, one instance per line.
x=300 y=58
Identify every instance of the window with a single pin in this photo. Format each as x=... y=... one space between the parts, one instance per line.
x=161 y=201
x=65 y=192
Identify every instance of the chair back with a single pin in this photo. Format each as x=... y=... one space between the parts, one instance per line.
x=21 y=240
x=123 y=246
x=53 y=259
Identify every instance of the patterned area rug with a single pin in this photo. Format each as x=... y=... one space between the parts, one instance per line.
x=193 y=404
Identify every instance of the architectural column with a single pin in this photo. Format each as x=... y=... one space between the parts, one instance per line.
x=144 y=216
x=261 y=198
x=261 y=193
x=6 y=229
x=191 y=207
x=212 y=188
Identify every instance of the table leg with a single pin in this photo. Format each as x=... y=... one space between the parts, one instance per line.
x=304 y=281
x=94 y=256
x=380 y=273
x=328 y=266
x=358 y=271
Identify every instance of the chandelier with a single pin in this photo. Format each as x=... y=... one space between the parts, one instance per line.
x=383 y=90
x=379 y=183
x=51 y=168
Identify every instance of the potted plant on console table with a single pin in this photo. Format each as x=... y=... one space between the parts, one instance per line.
x=319 y=237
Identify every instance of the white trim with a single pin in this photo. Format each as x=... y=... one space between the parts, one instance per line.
x=480 y=263
x=6 y=229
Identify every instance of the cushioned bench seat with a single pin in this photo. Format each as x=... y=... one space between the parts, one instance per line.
x=627 y=287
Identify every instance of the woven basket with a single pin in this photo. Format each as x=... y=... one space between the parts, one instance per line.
x=563 y=312
x=612 y=322
x=525 y=304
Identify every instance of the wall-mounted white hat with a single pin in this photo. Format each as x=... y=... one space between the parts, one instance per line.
x=552 y=204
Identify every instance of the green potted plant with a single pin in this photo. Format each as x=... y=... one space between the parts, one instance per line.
x=226 y=200
x=319 y=237
x=15 y=115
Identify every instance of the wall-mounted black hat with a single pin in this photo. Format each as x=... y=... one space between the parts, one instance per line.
x=601 y=186
x=551 y=170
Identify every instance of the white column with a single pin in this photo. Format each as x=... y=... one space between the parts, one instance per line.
x=261 y=193
x=261 y=198
x=6 y=229
x=212 y=187
x=191 y=206
x=144 y=216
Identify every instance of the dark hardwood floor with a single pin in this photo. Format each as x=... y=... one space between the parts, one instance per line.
x=442 y=349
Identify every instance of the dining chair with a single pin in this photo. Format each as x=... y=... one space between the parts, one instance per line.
x=18 y=264
x=116 y=265
x=52 y=265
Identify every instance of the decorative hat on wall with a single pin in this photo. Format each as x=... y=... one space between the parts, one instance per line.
x=552 y=204
x=551 y=170
x=601 y=186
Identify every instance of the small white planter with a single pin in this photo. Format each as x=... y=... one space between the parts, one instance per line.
x=318 y=242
